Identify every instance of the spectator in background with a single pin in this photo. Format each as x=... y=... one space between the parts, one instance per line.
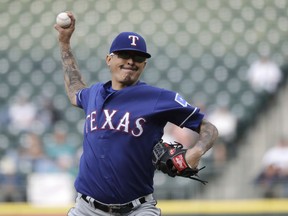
x=32 y=157
x=47 y=114
x=61 y=150
x=219 y=154
x=12 y=183
x=264 y=75
x=17 y=164
x=225 y=121
x=22 y=114
x=273 y=177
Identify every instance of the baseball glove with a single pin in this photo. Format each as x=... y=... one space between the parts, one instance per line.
x=170 y=159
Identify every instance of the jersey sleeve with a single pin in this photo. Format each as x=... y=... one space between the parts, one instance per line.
x=175 y=109
x=82 y=97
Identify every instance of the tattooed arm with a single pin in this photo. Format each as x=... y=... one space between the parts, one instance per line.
x=72 y=77
x=207 y=136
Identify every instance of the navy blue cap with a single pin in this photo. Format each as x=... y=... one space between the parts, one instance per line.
x=129 y=41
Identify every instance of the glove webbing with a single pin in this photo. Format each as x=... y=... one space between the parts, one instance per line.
x=198 y=179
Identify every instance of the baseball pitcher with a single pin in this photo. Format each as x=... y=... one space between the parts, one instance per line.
x=124 y=122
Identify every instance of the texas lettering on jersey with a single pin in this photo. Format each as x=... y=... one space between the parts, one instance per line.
x=114 y=121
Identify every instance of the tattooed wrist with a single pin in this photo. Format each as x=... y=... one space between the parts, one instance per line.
x=208 y=135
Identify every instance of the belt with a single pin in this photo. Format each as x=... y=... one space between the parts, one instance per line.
x=115 y=208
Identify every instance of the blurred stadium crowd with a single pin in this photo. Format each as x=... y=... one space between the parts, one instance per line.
x=227 y=57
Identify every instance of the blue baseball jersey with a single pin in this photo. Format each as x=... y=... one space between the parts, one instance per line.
x=120 y=131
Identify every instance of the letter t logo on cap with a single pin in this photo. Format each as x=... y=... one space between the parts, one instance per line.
x=134 y=37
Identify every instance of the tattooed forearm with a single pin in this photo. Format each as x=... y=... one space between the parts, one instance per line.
x=72 y=76
x=207 y=136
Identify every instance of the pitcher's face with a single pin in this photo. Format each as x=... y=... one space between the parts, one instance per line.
x=126 y=68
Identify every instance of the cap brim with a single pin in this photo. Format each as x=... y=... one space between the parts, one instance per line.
x=147 y=55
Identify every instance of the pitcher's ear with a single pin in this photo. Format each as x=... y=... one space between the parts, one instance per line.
x=108 y=59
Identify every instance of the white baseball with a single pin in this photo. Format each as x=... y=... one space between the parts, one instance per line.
x=63 y=20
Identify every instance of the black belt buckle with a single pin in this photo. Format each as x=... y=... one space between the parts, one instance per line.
x=117 y=209
x=110 y=208
x=114 y=209
x=120 y=209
